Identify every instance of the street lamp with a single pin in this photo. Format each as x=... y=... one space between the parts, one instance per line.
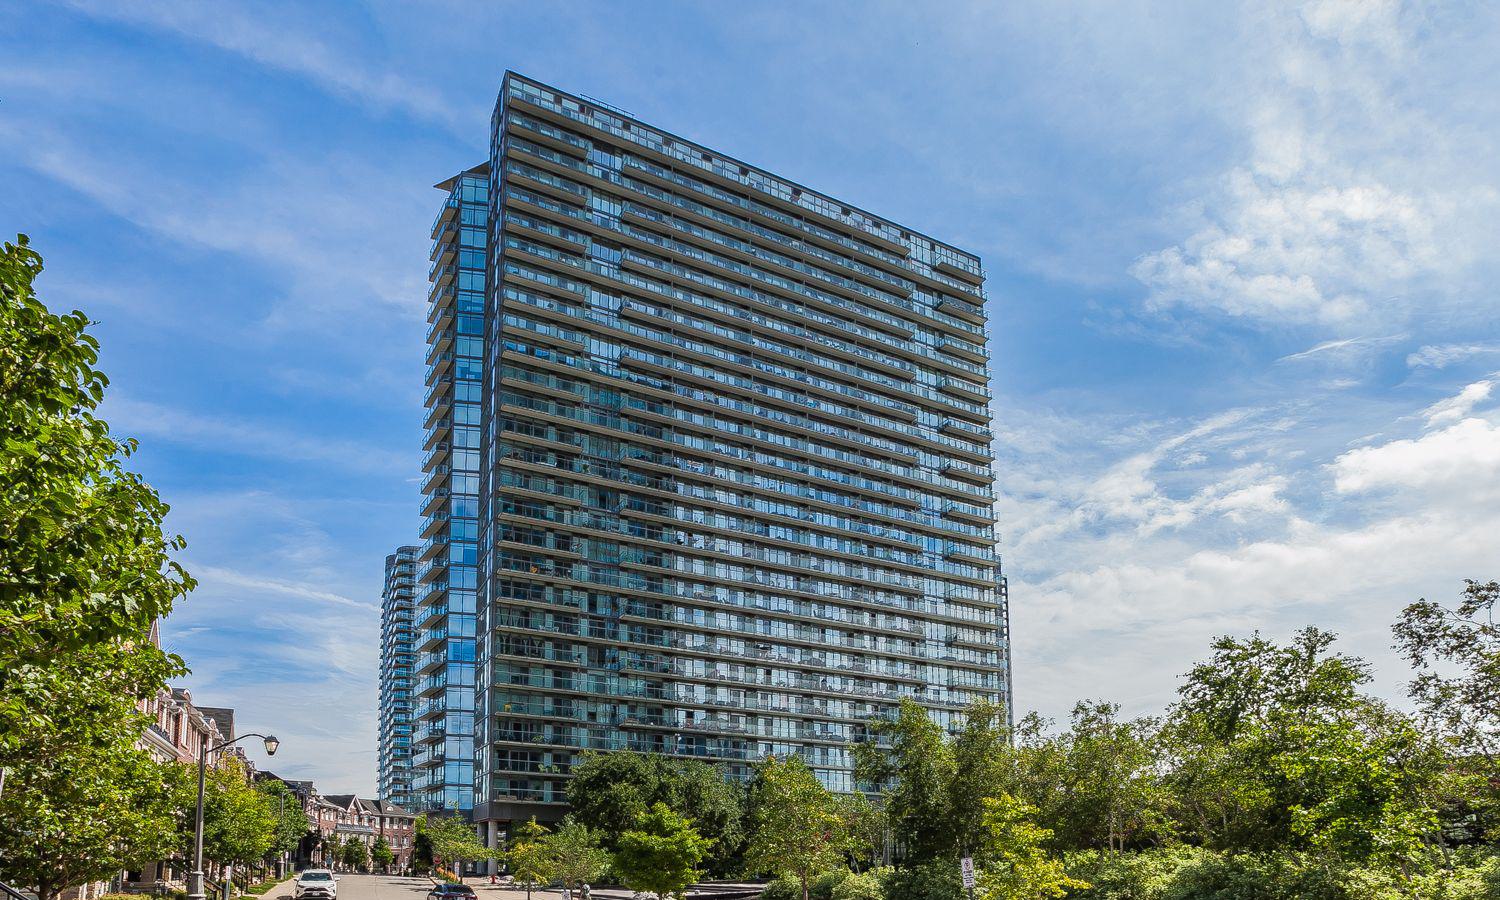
x=195 y=877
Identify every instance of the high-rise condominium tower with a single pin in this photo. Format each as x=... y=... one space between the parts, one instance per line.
x=725 y=489
x=395 y=676
x=447 y=580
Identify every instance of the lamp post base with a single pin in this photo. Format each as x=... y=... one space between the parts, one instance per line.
x=195 y=886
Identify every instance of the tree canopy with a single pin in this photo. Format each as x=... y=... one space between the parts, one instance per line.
x=660 y=853
x=85 y=569
x=796 y=825
x=609 y=791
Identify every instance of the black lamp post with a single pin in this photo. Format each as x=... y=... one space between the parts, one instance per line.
x=195 y=877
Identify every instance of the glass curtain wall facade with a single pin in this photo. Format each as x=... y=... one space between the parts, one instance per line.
x=446 y=591
x=737 y=480
x=396 y=656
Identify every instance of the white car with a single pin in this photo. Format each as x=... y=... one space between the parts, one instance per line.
x=316 y=884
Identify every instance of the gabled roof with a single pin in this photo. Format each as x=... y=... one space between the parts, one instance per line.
x=388 y=809
x=223 y=717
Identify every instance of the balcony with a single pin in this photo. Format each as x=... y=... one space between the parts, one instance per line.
x=433 y=523
x=444 y=276
x=439 y=391
x=440 y=323
x=441 y=408
x=968 y=472
x=967 y=429
x=958 y=549
x=431 y=593
x=443 y=253
x=440 y=299
x=440 y=335
x=969 y=512
x=432 y=549
x=435 y=501
x=967 y=390
x=437 y=433
x=445 y=217
x=435 y=456
x=976 y=353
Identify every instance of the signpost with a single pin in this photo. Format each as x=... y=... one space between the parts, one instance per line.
x=966 y=866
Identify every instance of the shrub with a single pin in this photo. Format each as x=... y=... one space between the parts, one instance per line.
x=822 y=887
x=864 y=886
x=1145 y=875
x=1472 y=876
x=783 y=888
x=1212 y=876
x=931 y=881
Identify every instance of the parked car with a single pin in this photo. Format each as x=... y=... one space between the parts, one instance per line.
x=316 y=884
x=450 y=891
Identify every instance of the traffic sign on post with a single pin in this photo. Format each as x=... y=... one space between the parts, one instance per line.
x=967 y=867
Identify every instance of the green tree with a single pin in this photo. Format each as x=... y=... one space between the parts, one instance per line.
x=83 y=559
x=609 y=791
x=355 y=855
x=1456 y=655
x=82 y=803
x=1011 y=855
x=865 y=828
x=239 y=824
x=1109 y=793
x=421 y=846
x=576 y=853
x=291 y=819
x=1274 y=748
x=529 y=856
x=84 y=572
x=796 y=826
x=381 y=853
x=454 y=842
x=916 y=774
x=661 y=853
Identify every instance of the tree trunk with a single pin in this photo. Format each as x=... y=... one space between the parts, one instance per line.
x=804 y=887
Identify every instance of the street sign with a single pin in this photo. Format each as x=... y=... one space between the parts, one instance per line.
x=967 y=866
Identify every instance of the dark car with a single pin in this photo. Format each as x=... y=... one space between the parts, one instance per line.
x=449 y=891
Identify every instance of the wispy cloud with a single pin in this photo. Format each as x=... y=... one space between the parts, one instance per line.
x=1342 y=347
x=1176 y=553
x=228 y=434
x=1440 y=356
x=266 y=214
x=1348 y=207
x=276 y=585
x=304 y=43
x=1457 y=408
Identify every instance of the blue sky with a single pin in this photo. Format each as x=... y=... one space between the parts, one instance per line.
x=1242 y=263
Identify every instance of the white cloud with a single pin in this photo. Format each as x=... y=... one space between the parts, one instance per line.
x=1124 y=562
x=221 y=576
x=295 y=442
x=1342 y=348
x=305 y=220
x=1349 y=204
x=1457 y=407
x=1461 y=460
x=282 y=628
x=274 y=38
x=1440 y=356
